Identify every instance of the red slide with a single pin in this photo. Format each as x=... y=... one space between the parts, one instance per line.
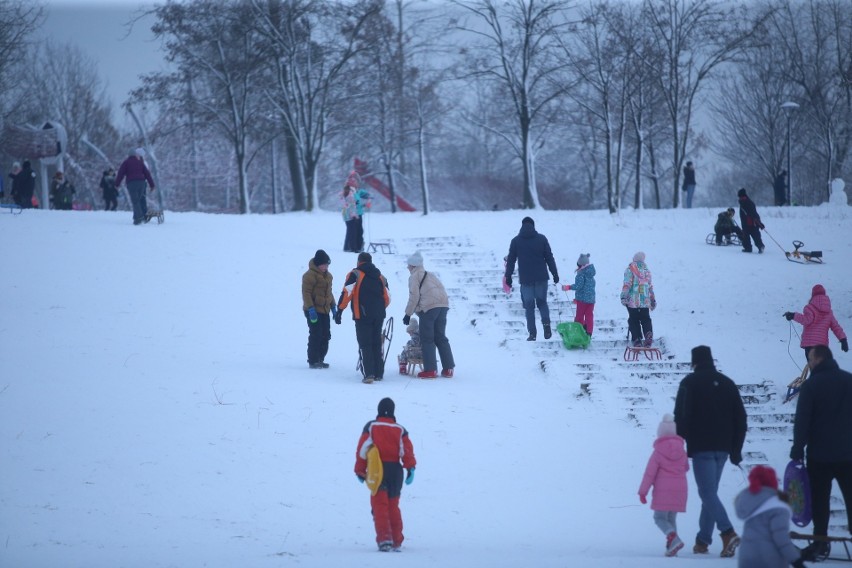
x=378 y=185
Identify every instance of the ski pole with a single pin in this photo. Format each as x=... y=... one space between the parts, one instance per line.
x=774 y=241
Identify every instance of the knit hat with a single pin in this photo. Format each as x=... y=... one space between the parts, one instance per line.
x=353 y=180
x=140 y=151
x=415 y=259
x=701 y=355
x=730 y=210
x=584 y=259
x=762 y=476
x=365 y=257
x=527 y=220
x=741 y=192
x=321 y=257
x=413 y=326
x=386 y=407
x=667 y=427
x=639 y=257
x=818 y=290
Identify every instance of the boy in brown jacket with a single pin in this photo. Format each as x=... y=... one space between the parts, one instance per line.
x=317 y=302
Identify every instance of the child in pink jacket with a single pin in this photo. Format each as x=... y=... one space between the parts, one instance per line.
x=666 y=472
x=816 y=319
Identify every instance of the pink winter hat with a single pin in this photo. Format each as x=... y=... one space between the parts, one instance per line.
x=818 y=290
x=761 y=476
x=639 y=257
x=667 y=427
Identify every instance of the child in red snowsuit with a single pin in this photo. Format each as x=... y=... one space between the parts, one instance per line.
x=396 y=452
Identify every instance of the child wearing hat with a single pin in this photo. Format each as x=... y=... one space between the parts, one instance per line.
x=725 y=226
x=816 y=319
x=412 y=350
x=766 y=539
x=397 y=453
x=666 y=472
x=584 y=293
x=318 y=305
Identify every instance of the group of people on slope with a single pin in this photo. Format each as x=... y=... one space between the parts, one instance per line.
x=365 y=292
x=531 y=250
x=751 y=224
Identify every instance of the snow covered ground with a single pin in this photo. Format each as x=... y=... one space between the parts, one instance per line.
x=156 y=408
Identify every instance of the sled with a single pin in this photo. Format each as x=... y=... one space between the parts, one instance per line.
x=731 y=239
x=651 y=353
x=844 y=540
x=375 y=470
x=13 y=208
x=796 y=385
x=803 y=257
x=387 y=336
x=797 y=486
x=158 y=215
x=573 y=335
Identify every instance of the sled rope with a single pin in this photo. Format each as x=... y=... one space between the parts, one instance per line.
x=790 y=341
x=774 y=241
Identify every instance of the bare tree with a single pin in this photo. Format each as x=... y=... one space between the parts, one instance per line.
x=18 y=20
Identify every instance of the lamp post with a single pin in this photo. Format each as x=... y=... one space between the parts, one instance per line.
x=788 y=108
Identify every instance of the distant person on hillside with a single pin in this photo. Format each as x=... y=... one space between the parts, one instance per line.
x=780 y=188
x=766 y=541
x=23 y=185
x=397 y=454
x=317 y=303
x=725 y=227
x=711 y=417
x=363 y=204
x=689 y=183
x=666 y=472
x=61 y=193
x=817 y=318
x=822 y=425
x=428 y=299
x=137 y=174
x=351 y=217
x=637 y=295
x=532 y=252
x=412 y=351
x=584 y=293
x=750 y=221
x=367 y=290
x=109 y=190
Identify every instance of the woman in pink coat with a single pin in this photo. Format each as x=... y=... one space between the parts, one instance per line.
x=816 y=319
x=666 y=471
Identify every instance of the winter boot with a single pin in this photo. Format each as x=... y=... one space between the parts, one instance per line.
x=700 y=547
x=817 y=551
x=649 y=339
x=368 y=380
x=531 y=337
x=315 y=366
x=730 y=542
x=547 y=333
x=427 y=374
x=385 y=546
x=447 y=373
x=403 y=368
x=673 y=544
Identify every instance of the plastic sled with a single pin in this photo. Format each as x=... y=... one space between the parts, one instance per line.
x=798 y=487
x=375 y=470
x=573 y=335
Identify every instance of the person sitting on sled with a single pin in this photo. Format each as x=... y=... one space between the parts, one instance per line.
x=816 y=319
x=412 y=351
x=584 y=293
x=725 y=226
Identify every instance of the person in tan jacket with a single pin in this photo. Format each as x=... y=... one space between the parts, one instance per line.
x=317 y=302
x=428 y=299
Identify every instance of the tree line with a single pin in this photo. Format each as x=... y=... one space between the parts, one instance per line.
x=463 y=103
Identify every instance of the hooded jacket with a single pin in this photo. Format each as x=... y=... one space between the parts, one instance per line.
x=392 y=441
x=816 y=319
x=638 y=289
x=367 y=290
x=425 y=292
x=532 y=252
x=824 y=416
x=748 y=213
x=584 y=284
x=666 y=471
x=765 y=541
x=316 y=289
x=134 y=169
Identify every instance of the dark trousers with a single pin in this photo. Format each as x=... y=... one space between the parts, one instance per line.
x=319 y=334
x=821 y=475
x=639 y=323
x=350 y=242
x=368 y=331
x=727 y=234
x=359 y=233
x=433 y=335
x=751 y=233
x=110 y=203
x=136 y=189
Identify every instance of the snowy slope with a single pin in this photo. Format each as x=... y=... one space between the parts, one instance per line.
x=156 y=408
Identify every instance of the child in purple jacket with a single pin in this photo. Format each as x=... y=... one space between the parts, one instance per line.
x=666 y=471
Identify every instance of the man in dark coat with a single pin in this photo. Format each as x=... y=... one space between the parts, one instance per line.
x=532 y=252
x=711 y=417
x=367 y=290
x=822 y=424
x=780 y=188
x=750 y=221
x=23 y=186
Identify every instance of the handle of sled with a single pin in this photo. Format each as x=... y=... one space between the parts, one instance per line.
x=798 y=244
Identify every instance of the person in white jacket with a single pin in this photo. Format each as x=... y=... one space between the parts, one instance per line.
x=428 y=299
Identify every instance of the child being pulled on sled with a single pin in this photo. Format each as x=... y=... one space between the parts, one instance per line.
x=725 y=226
x=584 y=293
x=666 y=472
x=412 y=350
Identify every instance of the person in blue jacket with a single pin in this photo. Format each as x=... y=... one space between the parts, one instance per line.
x=584 y=293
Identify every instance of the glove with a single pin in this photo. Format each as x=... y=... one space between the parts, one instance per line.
x=337 y=317
x=789 y=315
x=643 y=499
x=509 y=280
x=737 y=458
x=566 y=287
x=653 y=305
x=844 y=345
x=410 y=477
x=761 y=225
x=556 y=279
x=361 y=478
x=624 y=300
x=798 y=563
x=406 y=319
x=334 y=310
x=312 y=314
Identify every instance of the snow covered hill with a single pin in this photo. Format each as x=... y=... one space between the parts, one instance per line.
x=156 y=408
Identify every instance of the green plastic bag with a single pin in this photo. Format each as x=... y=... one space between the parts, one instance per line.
x=573 y=335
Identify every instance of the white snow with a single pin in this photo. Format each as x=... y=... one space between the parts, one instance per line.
x=156 y=408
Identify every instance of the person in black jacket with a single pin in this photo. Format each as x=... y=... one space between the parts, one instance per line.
x=780 y=188
x=110 y=192
x=532 y=252
x=367 y=290
x=822 y=425
x=725 y=226
x=23 y=186
x=689 y=184
x=750 y=221
x=711 y=417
